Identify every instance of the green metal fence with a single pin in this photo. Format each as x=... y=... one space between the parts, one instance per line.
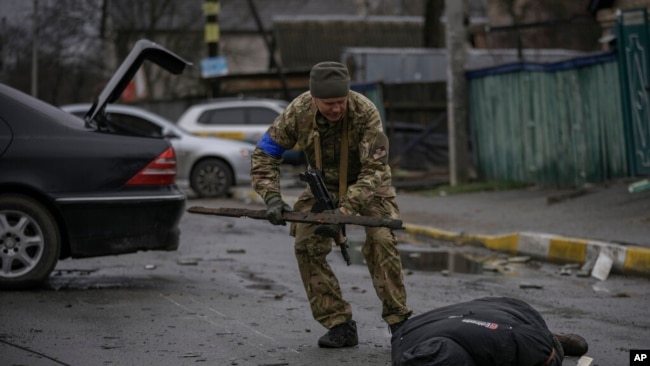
x=634 y=61
x=553 y=125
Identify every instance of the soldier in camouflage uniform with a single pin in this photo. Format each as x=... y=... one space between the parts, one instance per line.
x=318 y=115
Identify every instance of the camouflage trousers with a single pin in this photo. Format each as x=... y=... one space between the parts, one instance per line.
x=382 y=258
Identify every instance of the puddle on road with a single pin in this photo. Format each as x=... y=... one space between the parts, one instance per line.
x=430 y=259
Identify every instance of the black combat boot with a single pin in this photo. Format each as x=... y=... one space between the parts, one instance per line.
x=341 y=335
x=572 y=344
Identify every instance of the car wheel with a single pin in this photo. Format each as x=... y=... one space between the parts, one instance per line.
x=211 y=178
x=30 y=242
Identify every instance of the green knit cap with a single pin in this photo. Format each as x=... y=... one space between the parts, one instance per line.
x=329 y=80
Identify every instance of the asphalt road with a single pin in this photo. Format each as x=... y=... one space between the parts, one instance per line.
x=231 y=295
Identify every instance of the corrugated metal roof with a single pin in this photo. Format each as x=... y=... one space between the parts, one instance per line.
x=403 y=64
x=298 y=18
x=306 y=40
x=236 y=15
x=573 y=63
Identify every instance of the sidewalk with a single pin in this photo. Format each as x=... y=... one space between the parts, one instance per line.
x=603 y=225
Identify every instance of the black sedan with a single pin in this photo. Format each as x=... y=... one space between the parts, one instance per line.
x=82 y=191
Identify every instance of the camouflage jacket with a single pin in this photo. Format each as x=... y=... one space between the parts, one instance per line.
x=369 y=174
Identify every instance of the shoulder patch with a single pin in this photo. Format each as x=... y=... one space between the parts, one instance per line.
x=379 y=153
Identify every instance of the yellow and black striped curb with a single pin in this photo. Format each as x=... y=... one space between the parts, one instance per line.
x=246 y=195
x=627 y=259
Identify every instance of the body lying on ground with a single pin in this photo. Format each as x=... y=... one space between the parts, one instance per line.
x=485 y=331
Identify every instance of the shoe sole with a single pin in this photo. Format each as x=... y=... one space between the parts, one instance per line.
x=330 y=345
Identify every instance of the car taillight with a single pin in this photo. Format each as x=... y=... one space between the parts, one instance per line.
x=161 y=171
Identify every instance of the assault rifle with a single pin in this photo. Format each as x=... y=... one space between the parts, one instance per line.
x=324 y=202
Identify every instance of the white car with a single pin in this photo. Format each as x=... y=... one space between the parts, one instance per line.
x=210 y=166
x=239 y=119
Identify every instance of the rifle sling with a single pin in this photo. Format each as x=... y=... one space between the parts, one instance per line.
x=319 y=163
x=343 y=163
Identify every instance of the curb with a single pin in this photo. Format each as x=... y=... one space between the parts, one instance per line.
x=625 y=259
x=553 y=248
x=247 y=196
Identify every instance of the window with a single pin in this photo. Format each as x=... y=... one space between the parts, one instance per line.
x=261 y=116
x=223 y=116
x=134 y=125
x=238 y=116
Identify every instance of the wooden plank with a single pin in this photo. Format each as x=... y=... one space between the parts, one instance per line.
x=304 y=217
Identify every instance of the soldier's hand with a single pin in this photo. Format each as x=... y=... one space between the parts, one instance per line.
x=330 y=230
x=275 y=206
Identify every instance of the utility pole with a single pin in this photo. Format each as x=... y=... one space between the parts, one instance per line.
x=35 y=51
x=211 y=10
x=457 y=92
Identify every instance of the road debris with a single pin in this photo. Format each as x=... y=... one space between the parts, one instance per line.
x=187 y=261
x=585 y=361
x=603 y=266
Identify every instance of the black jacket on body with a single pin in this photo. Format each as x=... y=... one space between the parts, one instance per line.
x=483 y=332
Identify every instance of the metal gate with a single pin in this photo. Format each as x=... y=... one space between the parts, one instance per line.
x=634 y=52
